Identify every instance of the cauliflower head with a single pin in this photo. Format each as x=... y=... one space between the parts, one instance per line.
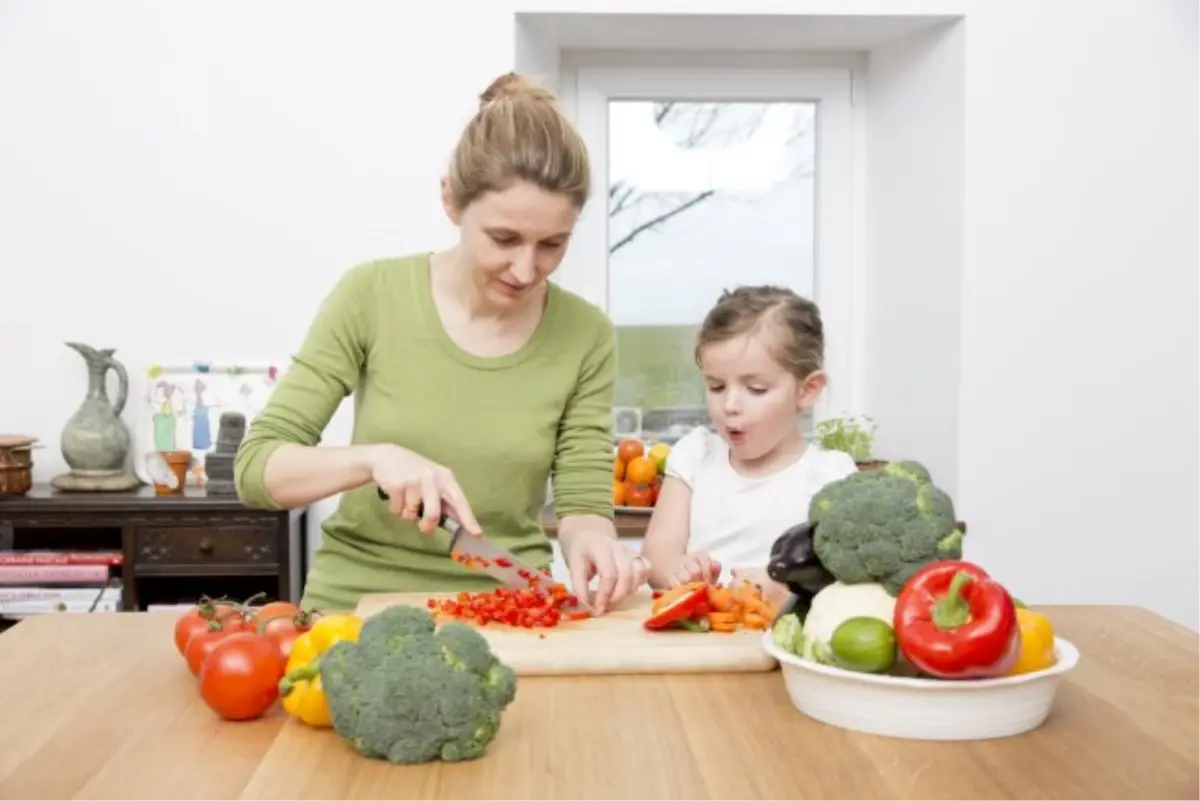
x=883 y=525
x=833 y=606
x=410 y=693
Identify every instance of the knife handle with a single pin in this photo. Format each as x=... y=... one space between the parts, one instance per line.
x=446 y=521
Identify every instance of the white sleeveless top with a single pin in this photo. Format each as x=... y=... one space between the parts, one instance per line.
x=737 y=519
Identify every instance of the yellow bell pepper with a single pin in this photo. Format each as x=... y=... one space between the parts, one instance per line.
x=300 y=690
x=1037 y=642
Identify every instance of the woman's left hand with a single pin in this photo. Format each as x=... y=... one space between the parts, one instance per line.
x=593 y=550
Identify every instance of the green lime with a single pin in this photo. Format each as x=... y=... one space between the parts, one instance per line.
x=864 y=645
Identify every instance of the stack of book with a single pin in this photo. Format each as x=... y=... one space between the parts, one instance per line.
x=41 y=582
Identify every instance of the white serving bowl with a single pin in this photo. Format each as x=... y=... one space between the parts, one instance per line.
x=923 y=709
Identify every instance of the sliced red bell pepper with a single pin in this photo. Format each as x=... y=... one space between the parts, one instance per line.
x=953 y=621
x=677 y=604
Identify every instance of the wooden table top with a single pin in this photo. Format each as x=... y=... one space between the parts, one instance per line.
x=107 y=709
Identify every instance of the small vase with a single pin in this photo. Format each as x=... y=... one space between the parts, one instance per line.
x=95 y=442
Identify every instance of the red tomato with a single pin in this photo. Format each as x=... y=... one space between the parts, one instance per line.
x=222 y=609
x=630 y=449
x=238 y=621
x=640 y=496
x=198 y=618
x=284 y=640
x=240 y=678
x=277 y=609
x=187 y=625
x=284 y=630
x=202 y=644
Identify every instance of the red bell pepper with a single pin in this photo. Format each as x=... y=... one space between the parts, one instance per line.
x=677 y=604
x=953 y=621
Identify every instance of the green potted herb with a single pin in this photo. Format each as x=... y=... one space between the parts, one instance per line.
x=854 y=435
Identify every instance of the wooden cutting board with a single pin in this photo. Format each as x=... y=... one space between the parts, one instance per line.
x=612 y=643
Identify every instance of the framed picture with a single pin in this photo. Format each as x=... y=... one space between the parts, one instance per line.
x=182 y=406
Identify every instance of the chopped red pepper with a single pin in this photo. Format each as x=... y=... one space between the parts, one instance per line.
x=543 y=604
x=677 y=604
x=954 y=621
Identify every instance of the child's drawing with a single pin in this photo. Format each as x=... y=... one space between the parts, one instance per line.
x=166 y=400
x=201 y=422
x=183 y=407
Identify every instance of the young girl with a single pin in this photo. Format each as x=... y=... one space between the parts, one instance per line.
x=727 y=496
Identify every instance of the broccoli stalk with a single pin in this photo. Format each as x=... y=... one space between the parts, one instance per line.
x=410 y=693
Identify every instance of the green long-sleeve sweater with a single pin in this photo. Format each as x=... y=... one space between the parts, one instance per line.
x=503 y=425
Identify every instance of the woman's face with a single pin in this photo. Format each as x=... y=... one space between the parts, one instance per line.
x=514 y=239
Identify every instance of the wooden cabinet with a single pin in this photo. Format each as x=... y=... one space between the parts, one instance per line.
x=208 y=549
x=174 y=548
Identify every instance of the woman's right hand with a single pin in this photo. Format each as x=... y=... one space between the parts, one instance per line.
x=410 y=480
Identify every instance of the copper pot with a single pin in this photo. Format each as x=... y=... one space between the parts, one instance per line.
x=16 y=464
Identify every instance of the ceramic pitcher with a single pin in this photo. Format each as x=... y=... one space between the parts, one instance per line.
x=95 y=442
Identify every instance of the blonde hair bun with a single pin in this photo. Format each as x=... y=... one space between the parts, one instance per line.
x=519 y=133
x=512 y=86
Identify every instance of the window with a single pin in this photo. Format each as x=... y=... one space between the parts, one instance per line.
x=708 y=179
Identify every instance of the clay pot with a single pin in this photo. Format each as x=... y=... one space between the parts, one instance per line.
x=16 y=464
x=178 y=463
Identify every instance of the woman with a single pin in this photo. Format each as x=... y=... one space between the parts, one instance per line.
x=475 y=379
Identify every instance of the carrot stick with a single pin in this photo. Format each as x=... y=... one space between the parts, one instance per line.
x=722 y=618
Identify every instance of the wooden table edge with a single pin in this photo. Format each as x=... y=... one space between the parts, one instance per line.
x=629 y=525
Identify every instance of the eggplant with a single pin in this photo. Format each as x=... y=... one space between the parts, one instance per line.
x=794 y=563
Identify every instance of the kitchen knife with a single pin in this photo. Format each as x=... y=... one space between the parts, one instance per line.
x=487 y=556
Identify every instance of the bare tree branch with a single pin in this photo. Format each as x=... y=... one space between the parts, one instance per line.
x=660 y=219
x=701 y=123
x=619 y=196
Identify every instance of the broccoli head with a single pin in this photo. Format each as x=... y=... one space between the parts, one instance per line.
x=409 y=693
x=883 y=525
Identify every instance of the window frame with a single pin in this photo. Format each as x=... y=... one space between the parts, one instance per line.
x=586 y=91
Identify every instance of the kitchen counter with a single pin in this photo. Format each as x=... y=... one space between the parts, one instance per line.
x=109 y=709
x=628 y=524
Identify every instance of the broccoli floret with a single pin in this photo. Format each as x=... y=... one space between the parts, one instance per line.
x=401 y=621
x=409 y=693
x=883 y=525
x=464 y=648
x=788 y=634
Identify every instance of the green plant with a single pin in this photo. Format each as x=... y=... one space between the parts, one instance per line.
x=853 y=435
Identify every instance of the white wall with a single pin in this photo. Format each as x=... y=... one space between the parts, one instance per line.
x=1078 y=400
x=186 y=182
x=915 y=116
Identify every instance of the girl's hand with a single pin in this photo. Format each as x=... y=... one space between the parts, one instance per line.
x=410 y=480
x=774 y=593
x=697 y=566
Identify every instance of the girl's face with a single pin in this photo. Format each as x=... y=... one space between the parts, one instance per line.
x=753 y=399
x=514 y=239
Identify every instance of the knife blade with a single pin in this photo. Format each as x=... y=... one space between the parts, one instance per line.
x=490 y=557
